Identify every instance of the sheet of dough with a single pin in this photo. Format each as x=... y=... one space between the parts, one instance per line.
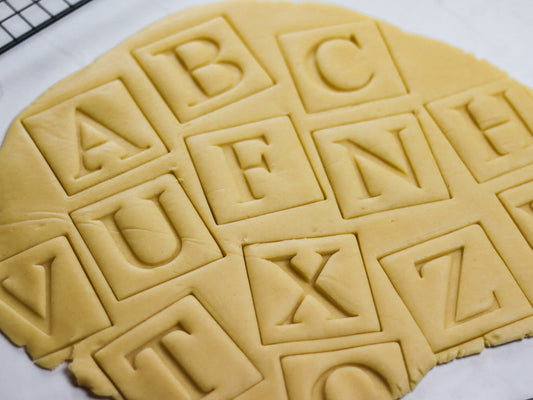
x=484 y=28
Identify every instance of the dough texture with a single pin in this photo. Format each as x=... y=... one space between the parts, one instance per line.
x=268 y=201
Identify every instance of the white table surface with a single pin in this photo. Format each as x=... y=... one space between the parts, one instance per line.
x=497 y=30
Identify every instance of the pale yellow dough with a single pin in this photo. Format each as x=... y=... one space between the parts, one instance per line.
x=264 y=200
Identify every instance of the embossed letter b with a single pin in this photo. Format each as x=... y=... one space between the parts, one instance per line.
x=213 y=77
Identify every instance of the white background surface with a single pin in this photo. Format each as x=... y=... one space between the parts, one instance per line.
x=497 y=30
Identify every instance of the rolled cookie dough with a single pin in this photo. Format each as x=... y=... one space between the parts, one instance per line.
x=262 y=200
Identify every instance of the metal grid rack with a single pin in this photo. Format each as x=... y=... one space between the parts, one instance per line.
x=20 y=19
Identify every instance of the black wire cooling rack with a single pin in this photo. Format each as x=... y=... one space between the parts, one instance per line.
x=20 y=19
